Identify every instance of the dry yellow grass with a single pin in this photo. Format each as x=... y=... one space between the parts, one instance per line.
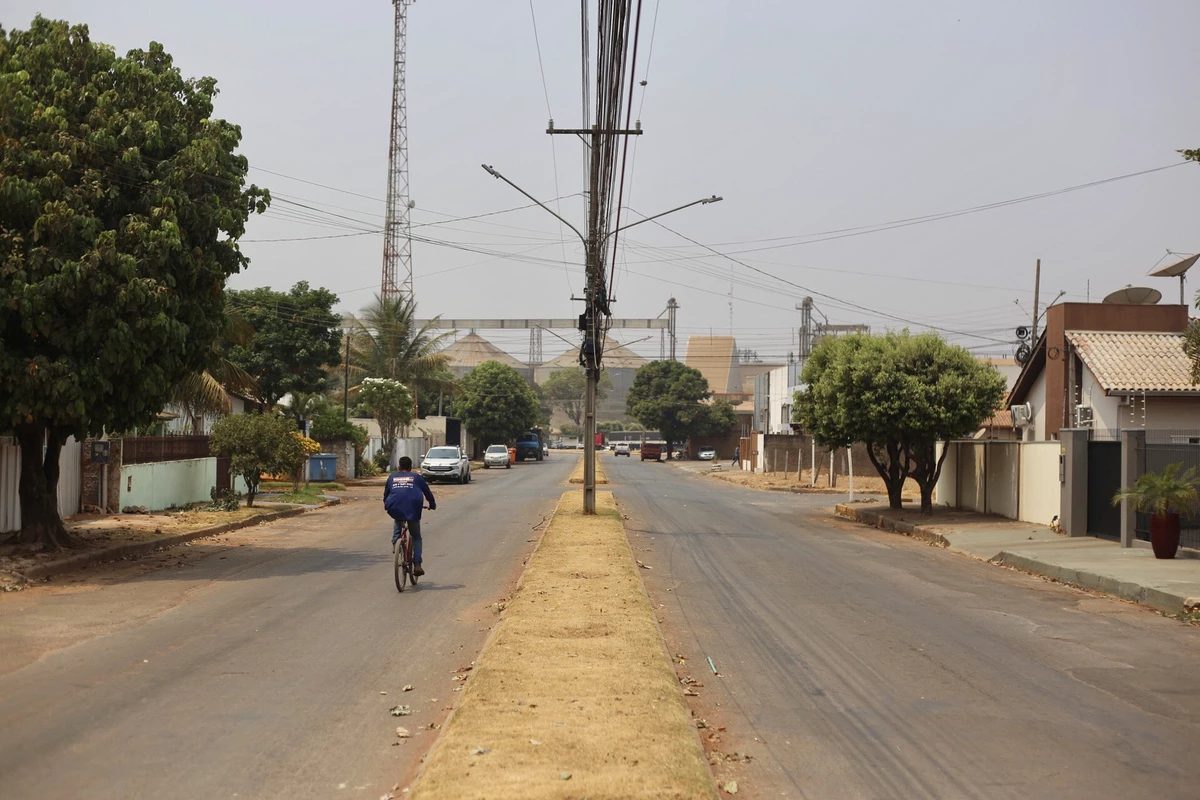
x=574 y=695
x=577 y=475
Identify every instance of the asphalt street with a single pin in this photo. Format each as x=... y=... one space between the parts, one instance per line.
x=257 y=666
x=860 y=664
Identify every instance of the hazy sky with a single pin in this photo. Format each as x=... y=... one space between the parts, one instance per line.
x=806 y=117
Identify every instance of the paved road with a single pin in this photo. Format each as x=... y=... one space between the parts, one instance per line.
x=257 y=670
x=870 y=666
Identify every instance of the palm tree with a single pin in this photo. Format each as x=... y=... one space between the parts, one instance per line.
x=206 y=392
x=386 y=341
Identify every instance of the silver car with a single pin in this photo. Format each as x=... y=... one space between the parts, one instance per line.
x=496 y=456
x=446 y=463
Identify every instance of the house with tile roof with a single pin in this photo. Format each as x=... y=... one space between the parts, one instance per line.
x=1109 y=367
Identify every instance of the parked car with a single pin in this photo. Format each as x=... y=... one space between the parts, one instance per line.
x=621 y=449
x=707 y=453
x=496 y=456
x=446 y=463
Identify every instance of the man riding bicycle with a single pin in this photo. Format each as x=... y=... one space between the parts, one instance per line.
x=403 y=496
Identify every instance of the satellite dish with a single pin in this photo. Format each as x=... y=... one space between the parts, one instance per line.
x=1177 y=270
x=1135 y=296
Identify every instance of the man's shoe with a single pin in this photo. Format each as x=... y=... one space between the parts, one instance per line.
x=417 y=570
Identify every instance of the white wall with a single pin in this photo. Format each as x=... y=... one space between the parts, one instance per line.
x=1040 y=499
x=168 y=484
x=1037 y=398
x=1020 y=480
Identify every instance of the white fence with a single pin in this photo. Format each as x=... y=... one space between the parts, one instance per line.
x=1018 y=480
x=69 y=482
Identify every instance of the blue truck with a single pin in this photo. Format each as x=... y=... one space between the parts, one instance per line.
x=529 y=445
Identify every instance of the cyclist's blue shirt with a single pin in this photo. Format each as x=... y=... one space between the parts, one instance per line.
x=404 y=493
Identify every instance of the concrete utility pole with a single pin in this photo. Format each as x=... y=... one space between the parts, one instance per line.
x=597 y=310
x=1037 y=285
x=672 y=307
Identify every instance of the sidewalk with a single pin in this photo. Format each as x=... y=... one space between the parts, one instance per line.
x=1170 y=586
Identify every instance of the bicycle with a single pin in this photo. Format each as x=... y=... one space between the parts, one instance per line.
x=402 y=558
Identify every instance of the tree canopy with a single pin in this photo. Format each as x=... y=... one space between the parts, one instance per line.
x=297 y=336
x=391 y=404
x=899 y=394
x=257 y=444
x=121 y=202
x=669 y=396
x=495 y=403
x=565 y=390
x=388 y=341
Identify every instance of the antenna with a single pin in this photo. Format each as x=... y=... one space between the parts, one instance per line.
x=1134 y=296
x=397 y=240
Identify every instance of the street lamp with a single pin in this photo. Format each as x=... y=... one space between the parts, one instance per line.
x=591 y=353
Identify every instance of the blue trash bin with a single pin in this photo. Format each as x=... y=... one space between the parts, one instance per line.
x=322 y=467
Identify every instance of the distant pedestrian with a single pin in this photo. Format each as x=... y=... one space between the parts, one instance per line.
x=737 y=452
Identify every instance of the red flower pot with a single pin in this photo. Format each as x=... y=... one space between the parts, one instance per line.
x=1164 y=534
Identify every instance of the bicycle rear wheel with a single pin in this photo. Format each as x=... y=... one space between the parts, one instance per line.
x=398 y=560
x=410 y=566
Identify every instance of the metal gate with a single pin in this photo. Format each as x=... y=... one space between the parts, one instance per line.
x=1103 y=481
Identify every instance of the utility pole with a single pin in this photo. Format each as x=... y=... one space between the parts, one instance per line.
x=1037 y=285
x=672 y=307
x=806 y=337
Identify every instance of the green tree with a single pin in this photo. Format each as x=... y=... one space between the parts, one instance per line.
x=205 y=392
x=296 y=338
x=121 y=202
x=387 y=341
x=390 y=404
x=566 y=389
x=900 y=395
x=495 y=403
x=669 y=396
x=257 y=443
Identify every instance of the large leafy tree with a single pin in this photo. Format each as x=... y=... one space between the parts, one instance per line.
x=297 y=336
x=121 y=202
x=670 y=397
x=899 y=394
x=495 y=403
x=565 y=390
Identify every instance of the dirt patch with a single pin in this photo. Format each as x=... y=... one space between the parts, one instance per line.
x=101 y=531
x=574 y=696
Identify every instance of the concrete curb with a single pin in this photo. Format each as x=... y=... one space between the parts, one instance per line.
x=1152 y=597
x=1143 y=595
x=83 y=560
x=881 y=522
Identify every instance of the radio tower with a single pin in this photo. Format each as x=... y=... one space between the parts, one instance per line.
x=397 y=242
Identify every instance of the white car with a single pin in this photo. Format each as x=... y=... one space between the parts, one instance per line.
x=707 y=453
x=496 y=456
x=446 y=463
x=621 y=449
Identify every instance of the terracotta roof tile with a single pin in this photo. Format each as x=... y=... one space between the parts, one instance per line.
x=1135 y=362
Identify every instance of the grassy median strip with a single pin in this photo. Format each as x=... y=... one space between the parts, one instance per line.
x=574 y=695
x=577 y=475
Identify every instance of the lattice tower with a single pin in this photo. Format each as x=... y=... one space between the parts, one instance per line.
x=397 y=242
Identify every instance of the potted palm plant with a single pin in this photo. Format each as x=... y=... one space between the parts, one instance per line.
x=1164 y=494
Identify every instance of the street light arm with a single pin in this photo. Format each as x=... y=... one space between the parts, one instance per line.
x=488 y=169
x=702 y=201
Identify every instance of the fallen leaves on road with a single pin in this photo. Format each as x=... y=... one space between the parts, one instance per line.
x=401 y=711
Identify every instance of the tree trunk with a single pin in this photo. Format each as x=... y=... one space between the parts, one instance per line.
x=40 y=522
x=891 y=472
